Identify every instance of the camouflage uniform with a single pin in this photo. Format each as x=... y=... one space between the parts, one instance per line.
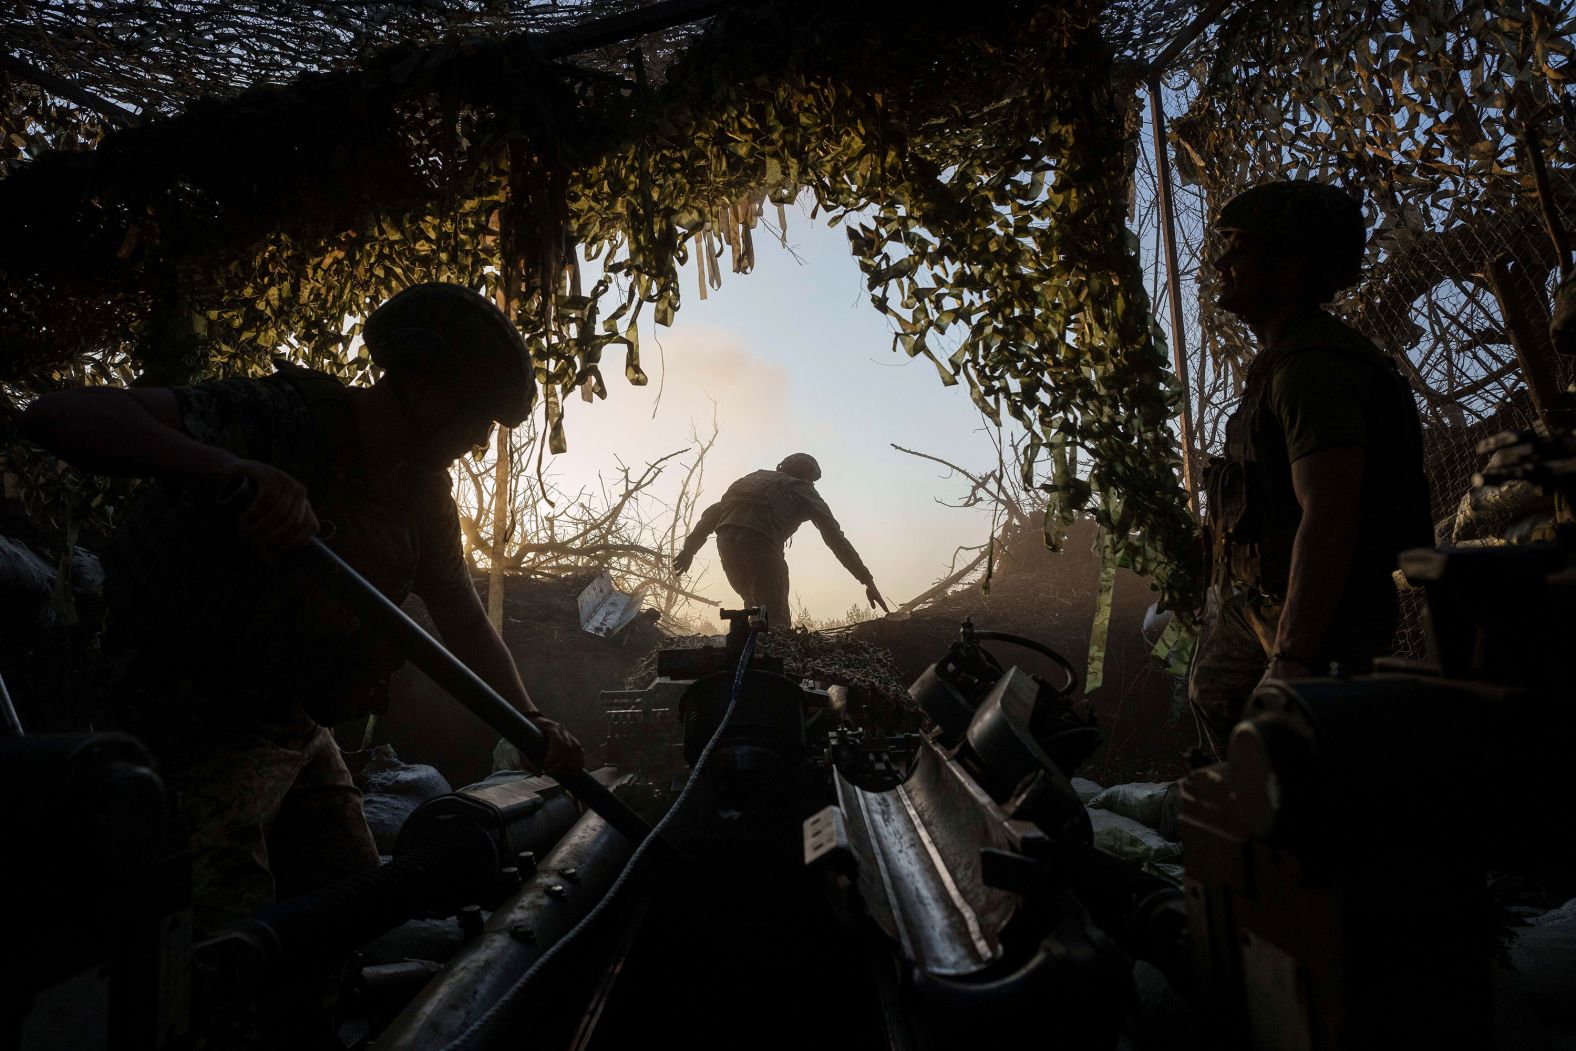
x=1321 y=385
x=754 y=520
x=233 y=669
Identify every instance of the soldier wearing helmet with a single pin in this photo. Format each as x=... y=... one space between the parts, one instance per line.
x=1322 y=481
x=236 y=665
x=755 y=519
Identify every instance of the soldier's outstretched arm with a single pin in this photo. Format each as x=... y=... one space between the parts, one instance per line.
x=837 y=541
x=139 y=433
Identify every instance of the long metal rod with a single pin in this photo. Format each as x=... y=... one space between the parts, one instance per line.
x=8 y=716
x=1173 y=50
x=616 y=29
x=67 y=90
x=443 y=668
x=1157 y=127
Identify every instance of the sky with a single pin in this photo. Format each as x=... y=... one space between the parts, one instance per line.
x=797 y=360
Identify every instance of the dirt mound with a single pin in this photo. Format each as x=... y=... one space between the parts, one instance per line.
x=1050 y=597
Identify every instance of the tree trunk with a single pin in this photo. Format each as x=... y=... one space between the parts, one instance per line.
x=500 y=530
x=1526 y=315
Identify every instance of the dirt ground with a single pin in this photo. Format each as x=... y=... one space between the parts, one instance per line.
x=1050 y=597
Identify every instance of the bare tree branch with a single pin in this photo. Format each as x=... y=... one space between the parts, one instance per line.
x=941 y=587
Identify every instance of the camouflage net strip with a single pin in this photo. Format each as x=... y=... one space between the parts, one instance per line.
x=982 y=166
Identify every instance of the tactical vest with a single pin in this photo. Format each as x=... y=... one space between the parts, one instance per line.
x=1253 y=509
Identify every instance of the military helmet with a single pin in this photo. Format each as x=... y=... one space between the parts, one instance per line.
x=1323 y=220
x=801 y=465
x=440 y=326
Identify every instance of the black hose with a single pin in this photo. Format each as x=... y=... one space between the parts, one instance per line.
x=1069 y=688
x=467 y=1041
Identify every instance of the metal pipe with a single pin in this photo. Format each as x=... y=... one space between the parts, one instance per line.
x=448 y=672
x=1179 y=43
x=68 y=90
x=1157 y=127
x=12 y=721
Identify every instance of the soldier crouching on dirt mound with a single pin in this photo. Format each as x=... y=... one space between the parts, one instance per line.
x=1322 y=484
x=755 y=519
x=233 y=666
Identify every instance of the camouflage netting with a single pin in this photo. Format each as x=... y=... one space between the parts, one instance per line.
x=978 y=162
x=1424 y=110
x=236 y=181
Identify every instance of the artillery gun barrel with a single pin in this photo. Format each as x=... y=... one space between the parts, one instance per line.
x=568 y=884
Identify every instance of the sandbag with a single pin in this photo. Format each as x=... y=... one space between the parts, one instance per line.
x=1086 y=789
x=1544 y=957
x=27 y=585
x=1130 y=840
x=391 y=790
x=1141 y=801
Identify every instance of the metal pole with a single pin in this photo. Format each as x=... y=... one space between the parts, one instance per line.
x=10 y=722
x=443 y=668
x=1157 y=124
x=67 y=90
x=1172 y=51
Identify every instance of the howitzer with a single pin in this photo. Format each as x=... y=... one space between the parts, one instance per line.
x=833 y=885
x=949 y=888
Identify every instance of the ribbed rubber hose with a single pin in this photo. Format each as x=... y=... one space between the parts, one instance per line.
x=468 y=1040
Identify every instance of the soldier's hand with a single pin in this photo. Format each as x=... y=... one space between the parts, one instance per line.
x=564 y=754
x=279 y=516
x=875 y=598
x=681 y=562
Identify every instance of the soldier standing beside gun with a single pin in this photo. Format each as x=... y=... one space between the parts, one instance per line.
x=755 y=519
x=234 y=666
x=1322 y=484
